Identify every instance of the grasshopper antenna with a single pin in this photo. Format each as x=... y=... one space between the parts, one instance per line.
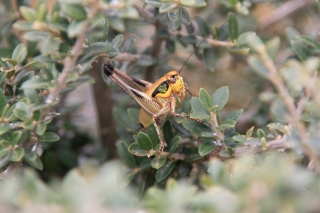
x=205 y=38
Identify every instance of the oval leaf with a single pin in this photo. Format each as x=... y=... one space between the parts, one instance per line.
x=49 y=137
x=165 y=170
x=144 y=141
x=158 y=162
x=124 y=154
x=19 y=53
x=16 y=154
x=233 y=26
x=220 y=97
x=206 y=148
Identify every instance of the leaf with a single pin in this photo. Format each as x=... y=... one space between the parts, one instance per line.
x=205 y=99
x=203 y=26
x=198 y=111
x=32 y=158
x=192 y=155
x=23 y=25
x=117 y=23
x=117 y=41
x=49 y=137
x=28 y=13
x=154 y=3
x=4 y=127
x=28 y=125
x=234 y=115
x=227 y=124
x=19 y=53
x=206 y=148
x=21 y=114
x=77 y=27
x=153 y=135
x=302 y=50
x=165 y=170
x=175 y=14
x=249 y=132
x=3 y=151
x=185 y=17
x=220 y=97
x=261 y=133
x=308 y=41
x=239 y=50
x=124 y=154
x=157 y=162
x=3 y=101
x=272 y=47
x=229 y=150
x=145 y=165
x=258 y=66
x=173 y=25
x=135 y=149
x=233 y=26
x=42 y=10
x=167 y=7
x=193 y=3
x=15 y=137
x=16 y=154
x=144 y=141
x=75 y=11
x=279 y=110
x=35 y=83
x=41 y=128
x=240 y=138
x=292 y=33
x=196 y=128
x=208 y=55
x=174 y=143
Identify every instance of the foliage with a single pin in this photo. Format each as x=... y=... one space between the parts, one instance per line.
x=202 y=168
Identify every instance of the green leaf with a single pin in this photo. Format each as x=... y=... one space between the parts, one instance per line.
x=28 y=13
x=28 y=125
x=249 y=132
x=203 y=26
x=35 y=83
x=117 y=41
x=205 y=99
x=49 y=137
x=308 y=41
x=41 y=128
x=32 y=158
x=292 y=33
x=4 y=161
x=126 y=179
x=16 y=154
x=206 y=148
x=21 y=114
x=239 y=50
x=272 y=47
x=208 y=55
x=124 y=154
x=157 y=162
x=4 y=143
x=173 y=25
x=302 y=50
x=42 y=10
x=167 y=7
x=185 y=17
x=233 y=26
x=152 y=133
x=258 y=66
x=195 y=127
x=4 y=127
x=220 y=97
x=165 y=170
x=15 y=137
x=19 y=53
x=198 y=111
x=75 y=11
x=240 y=138
x=279 y=110
x=192 y=155
x=3 y=101
x=117 y=24
x=280 y=127
x=227 y=124
x=3 y=151
x=193 y=3
x=154 y=3
x=77 y=27
x=23 y=25
x=135 y=149
x=168 y=131
x=235 y=115
x=174 y=143
x=229 y=150
x=145 y=165
x=261 y=133
x=144 y=141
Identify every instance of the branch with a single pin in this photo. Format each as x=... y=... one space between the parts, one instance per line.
x=282 y=11
x=212 y=42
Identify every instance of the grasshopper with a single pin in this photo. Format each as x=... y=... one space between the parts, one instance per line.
x=157 y=99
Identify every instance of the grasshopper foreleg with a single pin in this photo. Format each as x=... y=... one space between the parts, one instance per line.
x=172 y=110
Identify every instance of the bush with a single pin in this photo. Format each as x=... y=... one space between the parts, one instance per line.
x=212 y=160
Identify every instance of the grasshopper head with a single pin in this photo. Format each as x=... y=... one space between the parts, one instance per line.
x=177 y=85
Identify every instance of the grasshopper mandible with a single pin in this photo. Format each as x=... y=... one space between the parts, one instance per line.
x=157 y=99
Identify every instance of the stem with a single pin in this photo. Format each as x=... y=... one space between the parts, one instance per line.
x=219 y=134
x=289 y=102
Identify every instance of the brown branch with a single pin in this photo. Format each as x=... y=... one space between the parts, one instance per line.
x=282 y=11
x=239 y=151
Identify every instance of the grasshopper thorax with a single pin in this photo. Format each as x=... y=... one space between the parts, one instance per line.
x=177 y=85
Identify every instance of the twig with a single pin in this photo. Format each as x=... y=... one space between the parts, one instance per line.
x=143 y=13
x=289 y=102
x=212 y=42
x=282 y=11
